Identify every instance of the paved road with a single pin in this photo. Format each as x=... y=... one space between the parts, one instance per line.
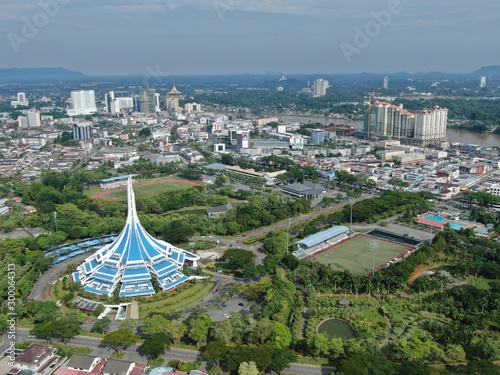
x=40 y=291
x=132 y=353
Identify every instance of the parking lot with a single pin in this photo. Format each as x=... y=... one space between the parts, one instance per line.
x=232 y=306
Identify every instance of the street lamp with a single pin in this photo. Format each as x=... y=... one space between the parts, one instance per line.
x=373 y=248
x=55 y=219
x=287 y=236
x=351 y=200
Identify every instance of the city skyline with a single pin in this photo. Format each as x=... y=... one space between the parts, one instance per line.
x=234 y=37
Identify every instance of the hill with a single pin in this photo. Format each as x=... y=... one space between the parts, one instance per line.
x=39 y=74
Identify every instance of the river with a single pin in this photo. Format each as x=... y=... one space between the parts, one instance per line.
x=453 y=135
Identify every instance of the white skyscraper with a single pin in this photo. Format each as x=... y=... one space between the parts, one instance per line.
x=386 y=83
x=21 y=100
x=242 y=139
x=34 y=118
x=83 y=103
x=157 y=102
x=430 y=125
x=320 y=87
x=482 y=82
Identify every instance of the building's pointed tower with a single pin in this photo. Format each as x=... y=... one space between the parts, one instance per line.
x=132 y=260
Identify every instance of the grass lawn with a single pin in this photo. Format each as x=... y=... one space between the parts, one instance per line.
x=176 y=300
x=147 y=191
x=92 y=191
x=355 y=254
x=58 y=290
x=197 y=245
x=481 y=283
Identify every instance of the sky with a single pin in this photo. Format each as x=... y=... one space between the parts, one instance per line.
x=189 y=37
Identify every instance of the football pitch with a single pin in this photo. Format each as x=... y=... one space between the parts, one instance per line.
x=355 y=254
x=143 y=189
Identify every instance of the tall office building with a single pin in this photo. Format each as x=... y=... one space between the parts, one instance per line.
x=390 y=120
x=21 y=100
x=34 y=120
x=430 y=125
x=242 y=139
x=83 y=103
x=109 y=97
x=147 y=101
x=386 y=83
x=192 y=107
x=317 y=137
x=22 y=122
x=320 y=87
x=482 y=82
x=157 y=102
x=424 y=127
x=82 y=131
x=172 y=100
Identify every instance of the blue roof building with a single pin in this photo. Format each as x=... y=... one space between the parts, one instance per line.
x=323 y=236
x=132 y=260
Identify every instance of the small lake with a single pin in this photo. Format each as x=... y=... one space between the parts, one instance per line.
x=337 y=328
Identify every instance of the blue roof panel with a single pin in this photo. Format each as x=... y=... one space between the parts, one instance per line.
x=323 y=236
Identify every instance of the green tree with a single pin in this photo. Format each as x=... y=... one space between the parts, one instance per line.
x=144 y=133
x=482 y=367
x=155 y=345
x=488 y=348
x=281 y=359
x=320 y=345
x=119 y=340
x=43 y=330
x=220 y=181
x=154 y=324
x=280 y=336
x=101 y=326
x=215 y=351
x=238 y=258
x=259 y=331
x=66 y=329
x=248 y=368
x=336 y=347
x=198 y=329
x=414 y=368
x=177 y=330
x=223 y=331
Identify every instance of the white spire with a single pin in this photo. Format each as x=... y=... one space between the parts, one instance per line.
x=132 y=217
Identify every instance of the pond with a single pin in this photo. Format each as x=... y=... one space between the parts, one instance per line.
x=337 y=328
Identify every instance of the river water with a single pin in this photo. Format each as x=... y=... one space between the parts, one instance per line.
x=453 y=135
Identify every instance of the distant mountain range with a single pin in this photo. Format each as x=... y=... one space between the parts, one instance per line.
x=38 y=74
x=24 y=75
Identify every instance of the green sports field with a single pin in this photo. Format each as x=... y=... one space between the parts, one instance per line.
x=356 y=256
x=142 y=189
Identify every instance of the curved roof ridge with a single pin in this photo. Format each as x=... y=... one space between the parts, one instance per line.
x=133 y=247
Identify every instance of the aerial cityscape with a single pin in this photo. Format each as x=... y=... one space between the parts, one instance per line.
x=249 y=188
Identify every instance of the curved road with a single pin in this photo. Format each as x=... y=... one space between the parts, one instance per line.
x=41 y=289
